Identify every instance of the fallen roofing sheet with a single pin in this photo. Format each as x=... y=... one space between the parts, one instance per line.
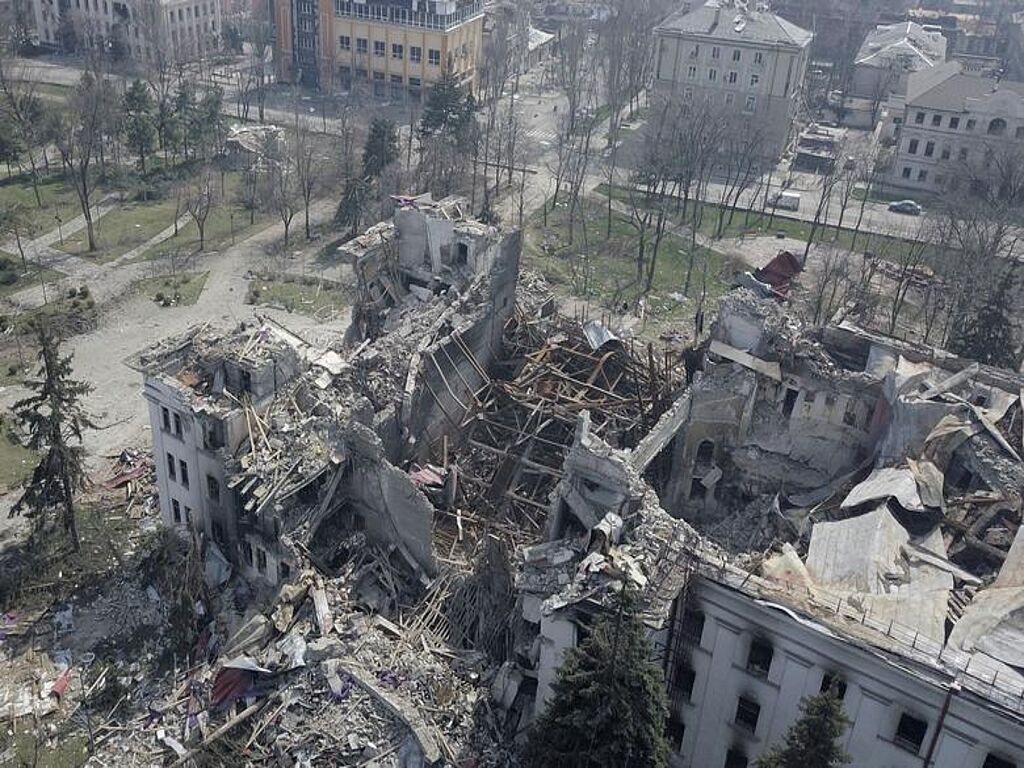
x=747 y=360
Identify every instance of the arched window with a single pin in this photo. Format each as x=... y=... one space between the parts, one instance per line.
x=997 y=127
x=705 y=452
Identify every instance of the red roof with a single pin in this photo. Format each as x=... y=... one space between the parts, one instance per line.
x=780 y=271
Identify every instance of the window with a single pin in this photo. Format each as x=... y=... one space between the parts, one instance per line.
x=184 y=472
x=735 y=758
x=434 y=57
x=962 y=155
x=945 y=153
x=922 y=175
x=213 y=488
x=936 y=120
x=712 y=75
x=759 y=57
x=715 y=51
x=754 y=80
x=361 y=45
x=177 y=425
x=730 y=99
x=683 y=680
x=747 y=712
x=692 y=626
x=996 y=127
x=378 y=48
x=905 y=173
x=261 y=560
x=378 y=76
x=691 y=72
x=345 y=43
x=789 y=403
x=910 y=733
x=167 y=419
x=732 y=78
x=247 y=552
x=954 y=123
x=687 y=95
x=397 y=51
x=414 y=82
x=1019 y=132
x=929 y=149
x=188 y=514
x=695 y=52
x=834 y=683
x=415 y=54
x=912 y=146
x=749 y=104
x=919 y=118
x=759 y=659
x=993 y=761
x=176 y=511
x=675 y=730
x=736 y=55
x=284 y=570
x=971 y=123
x=171 y=468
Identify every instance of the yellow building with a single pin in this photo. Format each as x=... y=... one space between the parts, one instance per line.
x=388 y=49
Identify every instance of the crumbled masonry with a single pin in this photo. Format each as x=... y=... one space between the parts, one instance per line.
x=385 y=546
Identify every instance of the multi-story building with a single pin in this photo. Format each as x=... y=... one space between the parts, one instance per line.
x=890 y=53
x=181 y=29
x=949 y=122
x=752 y=63
x=388 y=48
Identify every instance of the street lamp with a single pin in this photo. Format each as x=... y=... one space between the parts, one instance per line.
x=60 y=232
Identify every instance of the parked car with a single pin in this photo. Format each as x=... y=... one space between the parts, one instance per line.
x=789 y=201
x=908 y=207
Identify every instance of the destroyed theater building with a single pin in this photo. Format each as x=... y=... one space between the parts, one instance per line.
x=799 y=509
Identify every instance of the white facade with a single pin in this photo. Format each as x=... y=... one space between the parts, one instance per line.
x=753 y=70
x=181 y=29
x=899 y=712
x=945 y=129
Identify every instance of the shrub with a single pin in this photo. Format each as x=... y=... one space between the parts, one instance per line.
x=12 y=370
x=75 y=304
x=90 y=303
x=84 y=292
x=288 y=279
x=159 y=296
x=72 y=292
x=8 y=277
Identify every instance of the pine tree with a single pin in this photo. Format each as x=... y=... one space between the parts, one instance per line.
x=350 y=208
x=381 y=147
x=811 y=742
x=987 y=335
x=609 y=704
x=53 y=416
x=139 y=127
x=448 y=110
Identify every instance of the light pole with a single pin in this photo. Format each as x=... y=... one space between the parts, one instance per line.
x=60 y=232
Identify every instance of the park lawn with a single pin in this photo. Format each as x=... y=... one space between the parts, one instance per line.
x=221 y=228
x=56 y=192
x=27 y=279
x=604 y=269
x=127 y=226
x=181 y=290
x=305 y=295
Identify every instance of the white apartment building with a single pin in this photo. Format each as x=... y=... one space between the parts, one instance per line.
x=948 y=121
x=181 y=29
x=751 y=62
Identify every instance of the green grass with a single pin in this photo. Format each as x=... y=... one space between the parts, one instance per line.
x=166 y=290
x=25 y=279
x=755 y=223
x=68 y=751
x=219 y=225
x=56 y=193
x=603 y=269
x=127 y=226
x=308 y=295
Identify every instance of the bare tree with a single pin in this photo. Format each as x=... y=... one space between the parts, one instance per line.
x=308 y=165
x=827 y=184
x=280 y=194
x=202 y=196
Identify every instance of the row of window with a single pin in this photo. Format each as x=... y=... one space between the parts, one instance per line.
x=260 y=561
x=378 y=77
x=397 y=50
x=910 y=730
x=749 y=103
x=731 y=78
x=996 y=126
x=393 y=14
x=736 y=55
x=176 y=508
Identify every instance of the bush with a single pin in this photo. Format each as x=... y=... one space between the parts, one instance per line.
x=310 y=281
x=289 y=279
x=159 y=296
x=8 y=277
x=84 y=292
x=185 y=279
x=90 y=303
x=75 y=304
x=72 y=292
x=12 y=370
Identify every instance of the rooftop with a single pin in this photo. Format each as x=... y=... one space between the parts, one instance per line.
x=907 y=42
x=719 y=20
x=948 y=87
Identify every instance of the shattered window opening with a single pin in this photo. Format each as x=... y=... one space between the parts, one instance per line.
x=213 y=489
x=747 y=713
x=676 y=731
x=759 y=659
x=184 y=472
x=910 y=733
x=994 y=761
x=735 y=758
x=176 y=510
x=177 y=425
x=832 y=681
x=261 y=560
x=171 y=467
x=790 y=402
x=166 y=419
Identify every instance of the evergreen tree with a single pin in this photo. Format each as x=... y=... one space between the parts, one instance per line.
x=53 y=417
x=139 y=125
x=987 y=334
x=350 y=208
x=381 y=147
x=811 y=742
x=448 y=110
x=609 y=704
